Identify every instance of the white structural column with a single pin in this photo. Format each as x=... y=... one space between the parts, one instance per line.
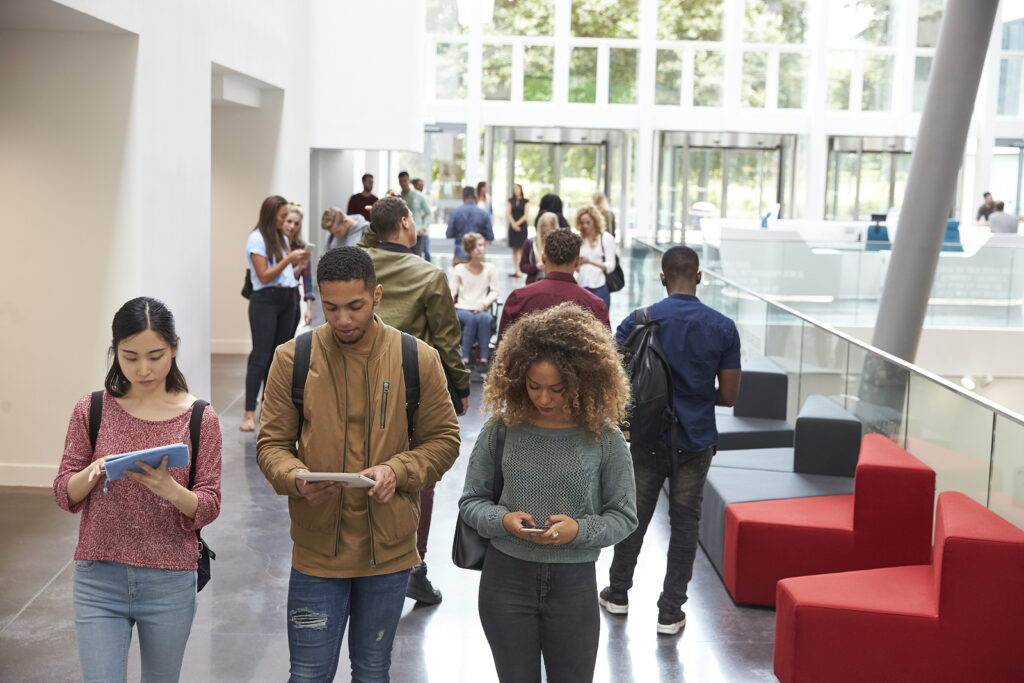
x=817 y=147
x=931 y=185
x=645 y=199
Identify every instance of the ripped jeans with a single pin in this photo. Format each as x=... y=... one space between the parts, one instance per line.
x=318 y=611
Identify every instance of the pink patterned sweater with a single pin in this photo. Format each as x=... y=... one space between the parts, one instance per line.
x=129 y=523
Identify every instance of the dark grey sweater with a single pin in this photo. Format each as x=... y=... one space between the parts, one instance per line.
x=553 y=471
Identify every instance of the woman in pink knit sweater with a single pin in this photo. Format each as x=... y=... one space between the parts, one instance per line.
x=136 y=560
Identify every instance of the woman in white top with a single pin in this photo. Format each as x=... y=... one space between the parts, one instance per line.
x=475 y=288
x=597 y=253
x=272 y=307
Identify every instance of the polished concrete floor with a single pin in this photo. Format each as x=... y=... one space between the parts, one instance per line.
x=239 y=629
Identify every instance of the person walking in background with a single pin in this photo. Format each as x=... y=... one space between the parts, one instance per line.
x=483 y=199
x=274 y=297
x=418 y=301
x=344 y=230
x=561 y=258
x=360 y=202
x=601 y=202
x=353 y=548
x=518 y=208
x=466 y=219
x=986 y=208
x=418 y=184
x=293 y=231
x=597 y=255
x=136 y=560
x=551 y=203
x=475 y=288
x=420 y=210
x=555 y=393
x=531 y=262
x=701 y=346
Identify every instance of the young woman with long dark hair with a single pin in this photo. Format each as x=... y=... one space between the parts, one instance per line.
x=518 y=207
x=272 y=314
x=136 y=560
x=556 y=392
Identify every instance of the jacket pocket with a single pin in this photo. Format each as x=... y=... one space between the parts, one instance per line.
x=398 y=518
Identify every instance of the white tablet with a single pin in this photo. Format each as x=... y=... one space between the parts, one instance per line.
x=349 y=478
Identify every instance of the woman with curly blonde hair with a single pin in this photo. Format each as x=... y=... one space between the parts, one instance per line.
x=557 y=392
x=597 y=253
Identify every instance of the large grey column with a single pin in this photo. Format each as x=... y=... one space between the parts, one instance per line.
x=931 y=185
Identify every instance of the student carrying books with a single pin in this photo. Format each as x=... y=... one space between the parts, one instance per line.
x=137 y=552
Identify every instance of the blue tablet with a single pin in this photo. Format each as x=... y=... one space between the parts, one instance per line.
x=117 y=465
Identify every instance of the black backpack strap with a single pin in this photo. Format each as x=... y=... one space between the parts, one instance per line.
x=95 y=416
x=300 y=370
x=195 y=426
x=499 y=451
x=411 y=372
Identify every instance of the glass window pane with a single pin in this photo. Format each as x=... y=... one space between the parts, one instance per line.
x=792 y=68
x=902 y=172
x=450 y=71
x=875 y=179
x=622 y=64
x=776 y=21
x=583 y=74
x=582 y=167
x=496 y=78
x=1013 y=32
x=707 y=78
x=447 y=165
x=929 y=16
x=861 y=22
x=922 y=71
x=753 y=182
x=876 y=86
x=535 y=170
x=605 y=18
x=1010 y=69
x=538 y=71
x=668 y=77
x=522 y=18
x=705 y=181
x=840 y=66
x=690 y=19
x=841 y=185
x=755 y=73
x=443 y=17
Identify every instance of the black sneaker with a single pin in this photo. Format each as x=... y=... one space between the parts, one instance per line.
x=420 y=589
x=615 y=602
x=671 y=623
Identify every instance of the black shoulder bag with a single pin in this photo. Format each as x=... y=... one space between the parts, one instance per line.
x=616 y=279
x=469 y=547
x=194 y=427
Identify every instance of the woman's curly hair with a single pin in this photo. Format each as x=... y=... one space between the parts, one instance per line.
x=584 y=351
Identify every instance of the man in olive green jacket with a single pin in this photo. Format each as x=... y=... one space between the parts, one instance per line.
x=418 y=301
x=353 y=548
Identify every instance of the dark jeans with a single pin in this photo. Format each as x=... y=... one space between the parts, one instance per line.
x=686 y=491
x=422 y=247
x=530 y=608
x=272 y=322
x=318 y=611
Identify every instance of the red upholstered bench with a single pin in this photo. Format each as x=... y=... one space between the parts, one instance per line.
x=960 y=618
x=886 y=522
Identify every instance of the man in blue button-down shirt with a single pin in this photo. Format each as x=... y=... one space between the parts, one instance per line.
x=466 y=219
x=701 y=345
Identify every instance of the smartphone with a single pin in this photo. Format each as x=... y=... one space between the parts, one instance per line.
x=540 y=529
x=309 y=246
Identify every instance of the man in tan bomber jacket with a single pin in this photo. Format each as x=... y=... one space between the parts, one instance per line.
x=353 y=547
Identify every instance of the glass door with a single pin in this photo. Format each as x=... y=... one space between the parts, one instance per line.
x=581 y=173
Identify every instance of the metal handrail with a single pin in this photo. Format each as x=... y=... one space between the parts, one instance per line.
x=909 y=367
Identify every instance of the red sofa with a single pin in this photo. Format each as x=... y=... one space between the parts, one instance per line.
x=960 y=618
x=886 y=522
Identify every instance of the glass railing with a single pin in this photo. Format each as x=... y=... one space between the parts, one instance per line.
x=975 y=446
x=840 y=283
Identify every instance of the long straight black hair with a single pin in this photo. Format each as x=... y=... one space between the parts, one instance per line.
x=138 y=315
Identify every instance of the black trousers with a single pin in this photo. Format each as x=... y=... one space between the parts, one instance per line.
x=272 y=322
x=529 y=608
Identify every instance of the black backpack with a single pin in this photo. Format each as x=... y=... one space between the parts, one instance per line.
x=410 y=370
x=651 y=410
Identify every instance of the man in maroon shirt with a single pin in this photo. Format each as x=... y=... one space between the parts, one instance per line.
x=561 y=258
x=361 y=202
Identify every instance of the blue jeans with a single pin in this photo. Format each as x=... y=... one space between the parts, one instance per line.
x=110 y=598
x=603 y=294
x=685 y=493
x=475 y=327
x=422 y=247
x=318 y=611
